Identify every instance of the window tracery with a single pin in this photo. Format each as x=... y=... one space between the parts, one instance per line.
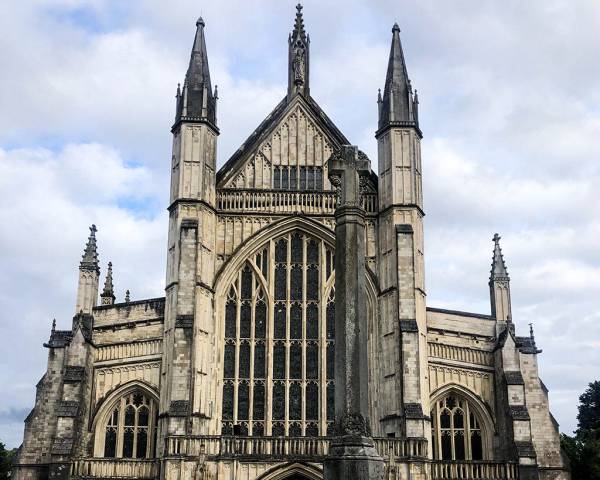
x=130 y=431
x=457 y=431
x=280 y=307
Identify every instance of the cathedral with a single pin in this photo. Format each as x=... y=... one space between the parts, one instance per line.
x=230 y=374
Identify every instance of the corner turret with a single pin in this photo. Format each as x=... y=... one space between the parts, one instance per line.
x=197 y=102
x=89 y=274
x=398 y=107
x=499 y=286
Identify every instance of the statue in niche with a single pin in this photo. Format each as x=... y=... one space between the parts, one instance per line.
x=298 y=65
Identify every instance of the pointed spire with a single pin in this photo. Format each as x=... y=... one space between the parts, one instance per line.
x=498 y=271
x=108 y=294
x=298 y=61
x=89 y=260
x=196 y=101
x=398 y=103
x=127 y=297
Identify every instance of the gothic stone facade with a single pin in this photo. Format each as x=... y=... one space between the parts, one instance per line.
x=230 y=375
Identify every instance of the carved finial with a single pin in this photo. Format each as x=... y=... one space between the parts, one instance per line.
x=200 y=22
x=531 y=331
x=395 y=28
x=216 y=95
x=53 y=325
x=89 y=261
x=379 y=99
x=178 y=90
x=108 y=294
x=127 y=298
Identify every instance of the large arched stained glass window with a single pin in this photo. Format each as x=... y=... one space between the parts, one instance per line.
x=130 y=431
x=456 y=430
x=279 y=339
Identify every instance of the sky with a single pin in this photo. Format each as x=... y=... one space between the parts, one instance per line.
x=509 y=107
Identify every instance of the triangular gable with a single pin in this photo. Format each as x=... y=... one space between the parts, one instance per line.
x=297 y=132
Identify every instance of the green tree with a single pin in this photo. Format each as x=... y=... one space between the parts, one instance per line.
x=6 y=459
x=583 y=449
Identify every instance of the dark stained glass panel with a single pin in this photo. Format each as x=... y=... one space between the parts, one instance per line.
x=259 y=361
x=281 y=251
x=296 y=321
x=246 y=283
x=244 y=365
x=243 y=400
x=312 y=361
x=312 y=401
x=295 y=361
x=260 y=320
x=245 y=319
x=295 y=401
x=278 y=401
x=330 y=361
x=280 y=282
x=258 y=406
x=230 y=329
x=297 y=248
x=312 y=321
x=296 y=283
x=280 y=320
x=312 y=283
x=229 y=368
x=279 y=361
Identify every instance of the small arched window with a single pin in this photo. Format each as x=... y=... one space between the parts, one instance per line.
x=130 y=431
x=457 y=431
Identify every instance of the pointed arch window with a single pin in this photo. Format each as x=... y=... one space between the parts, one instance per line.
x=130 y=430
x=457 y=431
x=278 y=340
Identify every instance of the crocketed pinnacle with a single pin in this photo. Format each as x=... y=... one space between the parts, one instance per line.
x=89 y=260
x=498 y=271
x=299 y=58
x=298 y=31
x=196 y=101
x=398 y=105
x=108 y=283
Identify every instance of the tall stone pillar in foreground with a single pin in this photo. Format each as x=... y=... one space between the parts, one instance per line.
x=352 y=454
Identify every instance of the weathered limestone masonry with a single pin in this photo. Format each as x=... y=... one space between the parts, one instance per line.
x=293 y=339
x=401 y=265
x=353 y=453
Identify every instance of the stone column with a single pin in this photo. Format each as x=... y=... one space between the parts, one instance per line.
x=352 y=454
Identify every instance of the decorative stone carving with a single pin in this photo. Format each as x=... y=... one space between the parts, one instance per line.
x=353 y=424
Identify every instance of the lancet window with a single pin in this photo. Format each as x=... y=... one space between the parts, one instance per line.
x=457 y=432
x=279 y=341
x=130 y=430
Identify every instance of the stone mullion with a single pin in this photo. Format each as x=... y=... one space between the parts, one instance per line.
x=452 y=433
x=150 y=431
x=322 y=340
x=303 y=340
x=135 y=431
x=288 y=264
x=252 y=346
x=438 y=430
x=269 y=340
x=467 y=430
x=236 y=373
x=120 y=429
